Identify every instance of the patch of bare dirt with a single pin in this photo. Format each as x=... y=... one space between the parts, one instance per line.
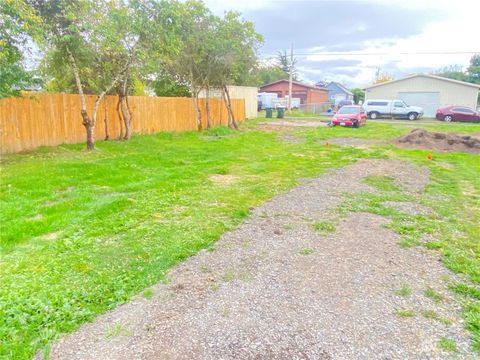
x=37 y=217
x=293 y=139
x=423 y=139
x=288 y=125
x=274 y=128
x=352 y=142
x=220 y=179
x=51 y=236
x=408 y=207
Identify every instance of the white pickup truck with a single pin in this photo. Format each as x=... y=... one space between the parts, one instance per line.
x=391 y=108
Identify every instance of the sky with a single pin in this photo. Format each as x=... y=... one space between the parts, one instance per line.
x=350 y=40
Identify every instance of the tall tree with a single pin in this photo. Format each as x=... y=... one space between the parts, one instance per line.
x=184 y=65
x=473 y=70
x=382 y=77
x=358 y=95
x=81 y=40
x=266 y=74
x=236 y=52
x=19 y=24
x=284 y=62
x=452 y=72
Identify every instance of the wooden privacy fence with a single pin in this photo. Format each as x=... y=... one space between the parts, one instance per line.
x=38 y=119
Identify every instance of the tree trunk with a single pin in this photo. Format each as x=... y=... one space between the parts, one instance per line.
x=198 y=114
x=125 y=108
x=126 y=118
x=105 y=120
x=207 y=106
x=90 y=137
x=231 y=123
x=224 y=97
x=120 y=119
x=88 y=122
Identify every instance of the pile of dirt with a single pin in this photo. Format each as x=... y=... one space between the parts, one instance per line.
x=422 y=139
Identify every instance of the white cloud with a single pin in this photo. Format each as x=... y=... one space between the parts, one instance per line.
x=456 y=31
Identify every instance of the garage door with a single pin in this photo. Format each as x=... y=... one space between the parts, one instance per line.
x=429 y=101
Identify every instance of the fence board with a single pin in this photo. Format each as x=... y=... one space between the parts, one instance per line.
x=38 y=119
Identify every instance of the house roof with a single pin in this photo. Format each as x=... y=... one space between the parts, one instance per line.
x=296 y=83
x=343 y=88
x=427 y=76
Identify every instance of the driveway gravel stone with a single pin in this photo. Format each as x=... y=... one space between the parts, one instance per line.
x=257 y=295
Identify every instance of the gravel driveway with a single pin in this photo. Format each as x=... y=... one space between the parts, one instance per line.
x=275 y=288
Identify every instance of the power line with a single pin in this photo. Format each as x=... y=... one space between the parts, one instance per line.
x=387 y=53
x=381 y=53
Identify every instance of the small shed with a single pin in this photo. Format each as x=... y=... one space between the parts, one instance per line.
x=308 y=94
x=428 y=91
x=247 y=93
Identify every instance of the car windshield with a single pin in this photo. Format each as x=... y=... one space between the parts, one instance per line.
x=349 y=110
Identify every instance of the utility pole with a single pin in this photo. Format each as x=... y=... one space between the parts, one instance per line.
x=290 y=79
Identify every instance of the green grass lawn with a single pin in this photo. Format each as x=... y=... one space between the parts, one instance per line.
x=83 y=232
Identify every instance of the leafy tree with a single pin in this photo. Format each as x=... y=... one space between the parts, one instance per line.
x=167 y=86
x=192 y=32
x=473 y=70
x=82 y=39
x=283 y=61
x=452 y=72
x=267 y=74
x=236 y=53
x=18 y=25
x=472 y=74
x=214 y=52
x=383 y=77
x=358 y=95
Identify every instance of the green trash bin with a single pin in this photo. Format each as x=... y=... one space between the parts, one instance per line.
x=269 y=112
x=280 y=112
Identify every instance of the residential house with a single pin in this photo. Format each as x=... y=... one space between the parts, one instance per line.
x=308 y=94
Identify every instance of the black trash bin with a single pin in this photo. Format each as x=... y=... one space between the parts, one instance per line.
x=280 y=112
x=269 y=112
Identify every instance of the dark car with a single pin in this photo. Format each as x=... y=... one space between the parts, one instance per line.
x=457 y=113
x=259 y=105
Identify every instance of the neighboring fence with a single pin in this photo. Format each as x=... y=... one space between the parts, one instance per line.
x=315 y=109
x=39 y=119
x=248 y=93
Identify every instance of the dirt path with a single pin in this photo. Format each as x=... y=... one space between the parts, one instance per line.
x=275 y=288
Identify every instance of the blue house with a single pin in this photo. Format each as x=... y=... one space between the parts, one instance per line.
x=338 y=92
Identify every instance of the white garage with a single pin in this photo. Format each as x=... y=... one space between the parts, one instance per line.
x=428 y=91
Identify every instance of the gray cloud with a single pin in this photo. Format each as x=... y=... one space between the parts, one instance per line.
x=335 y=25
x=338 y=26
x=333 y=62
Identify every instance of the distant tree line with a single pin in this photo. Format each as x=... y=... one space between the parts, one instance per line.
x=117 y=47
x=456 y=72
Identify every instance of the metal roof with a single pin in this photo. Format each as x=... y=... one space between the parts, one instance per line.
x=428 y=76
x=296 y=83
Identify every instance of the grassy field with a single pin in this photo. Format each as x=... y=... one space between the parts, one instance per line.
x=83 y=232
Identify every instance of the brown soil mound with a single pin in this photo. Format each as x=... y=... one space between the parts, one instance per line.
x=422 y=139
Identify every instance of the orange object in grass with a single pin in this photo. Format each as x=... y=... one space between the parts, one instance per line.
x=429 y=157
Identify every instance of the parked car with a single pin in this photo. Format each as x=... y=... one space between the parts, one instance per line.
x=350 y=115
x=391 y=108
x=457 y=113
